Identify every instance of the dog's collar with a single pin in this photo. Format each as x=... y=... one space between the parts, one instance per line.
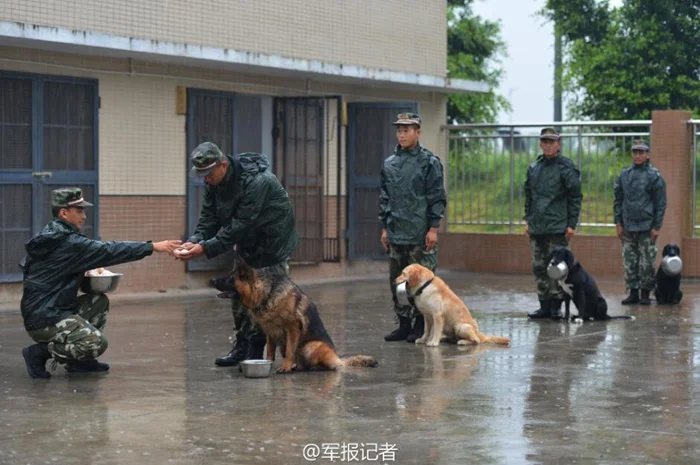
x=422 y=288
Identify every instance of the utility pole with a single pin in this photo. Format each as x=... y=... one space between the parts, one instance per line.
x=557 y=73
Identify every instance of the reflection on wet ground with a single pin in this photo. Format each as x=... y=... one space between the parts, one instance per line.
x=617 y=392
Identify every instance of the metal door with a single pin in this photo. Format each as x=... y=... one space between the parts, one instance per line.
x=371 y=139
x=48 y=139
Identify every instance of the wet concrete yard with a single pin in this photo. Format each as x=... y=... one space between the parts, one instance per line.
x=617 y=392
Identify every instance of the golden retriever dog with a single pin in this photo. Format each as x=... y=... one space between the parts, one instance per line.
x=444 y=312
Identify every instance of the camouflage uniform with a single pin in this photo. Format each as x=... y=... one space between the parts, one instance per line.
x=552 y=204
x=401 y=256
x=639 y=257
x=412 y=201
x=65 y=326
x=541 y=248
x=639 y=207
x=78 y=337
x=250 y=209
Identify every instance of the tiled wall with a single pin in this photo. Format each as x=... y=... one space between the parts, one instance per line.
x=387 y=34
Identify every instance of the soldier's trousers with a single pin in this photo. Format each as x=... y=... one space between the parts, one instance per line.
x=639 y=257
x=541 y=247
x=244 y=326
x=400 y=257
x=78 y=337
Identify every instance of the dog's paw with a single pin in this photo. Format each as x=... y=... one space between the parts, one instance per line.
x=577 y=320
x=420 y=340
x=463 y=342
x=286 y=368
x=432 y=343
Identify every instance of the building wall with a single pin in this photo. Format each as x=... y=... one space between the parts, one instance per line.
x=385 y=34
x=142 y=148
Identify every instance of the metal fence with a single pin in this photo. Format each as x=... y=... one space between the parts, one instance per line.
x=487 y=165
x=695 y=147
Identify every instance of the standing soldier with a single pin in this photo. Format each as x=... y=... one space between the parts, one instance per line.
x=552 y=207
x=411 y=205
x=244 y=205
x=640 y=204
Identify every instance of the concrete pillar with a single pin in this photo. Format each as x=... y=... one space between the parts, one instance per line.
x=671 y=143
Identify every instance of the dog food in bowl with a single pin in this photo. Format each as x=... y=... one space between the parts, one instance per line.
x=100 y=281
x=558 y=271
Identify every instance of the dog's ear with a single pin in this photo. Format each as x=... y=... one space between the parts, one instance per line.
x=241 y=270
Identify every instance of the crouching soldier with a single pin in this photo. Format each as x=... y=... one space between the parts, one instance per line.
x=65 y=326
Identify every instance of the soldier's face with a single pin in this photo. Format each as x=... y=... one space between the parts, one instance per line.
x=407 y=136
x=639 y=157
x=74 y=215
x=216 y=175
x=550 y=147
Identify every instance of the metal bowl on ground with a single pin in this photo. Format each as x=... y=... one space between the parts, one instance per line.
x=672 y=265
x=100 y=284
x=256 y=368
x=402 y=294
x=558 y=271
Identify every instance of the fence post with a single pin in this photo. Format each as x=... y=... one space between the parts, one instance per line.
x=670 y=148
x=693 y=186
x=512 y=181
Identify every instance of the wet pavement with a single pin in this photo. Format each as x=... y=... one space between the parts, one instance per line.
x=617 y=392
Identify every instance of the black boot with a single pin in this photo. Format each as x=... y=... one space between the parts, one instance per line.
x=544 y=311
x=237 y=354
x=36 y=356
x=555 y=306
x=644 y=300
x=256 y=349
x=400 y=333
x=85 y=366
x=418 y=330
x=633 y=298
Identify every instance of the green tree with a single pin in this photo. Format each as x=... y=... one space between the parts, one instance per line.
x=624 y=62
x=474 y=51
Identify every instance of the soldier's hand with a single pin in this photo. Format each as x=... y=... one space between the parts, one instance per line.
x=654 y=235
x=385 y=240
x=194 y=252
x=431 y=239
x=620 y=231
x=167 y=246
x=188 y=245
x=569 y=234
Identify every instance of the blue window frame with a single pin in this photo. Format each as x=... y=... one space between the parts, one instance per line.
x=48 y=139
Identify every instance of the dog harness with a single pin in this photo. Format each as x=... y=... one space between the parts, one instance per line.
x=411 y=298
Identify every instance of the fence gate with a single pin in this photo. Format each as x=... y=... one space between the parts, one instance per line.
x=371 y=138
x=306 y=133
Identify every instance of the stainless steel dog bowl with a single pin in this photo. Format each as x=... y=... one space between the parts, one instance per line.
x=672 y=265
x=557 y=272
x=402 y=294
x=256 y=368
x=100 y=284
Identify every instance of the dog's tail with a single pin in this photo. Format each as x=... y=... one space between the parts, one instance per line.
x=365 y=361
x=504 y=341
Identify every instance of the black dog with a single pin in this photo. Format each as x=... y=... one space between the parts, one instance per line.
x=580 y=287
x=668 y=288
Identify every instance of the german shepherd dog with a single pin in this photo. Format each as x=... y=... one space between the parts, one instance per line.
x=288 y=318
x=579 y=286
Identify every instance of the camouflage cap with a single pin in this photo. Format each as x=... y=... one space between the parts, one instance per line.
x=407 y=118
x=640 y=145
x=549 y=133
x=205 y=157
x=68 y=197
